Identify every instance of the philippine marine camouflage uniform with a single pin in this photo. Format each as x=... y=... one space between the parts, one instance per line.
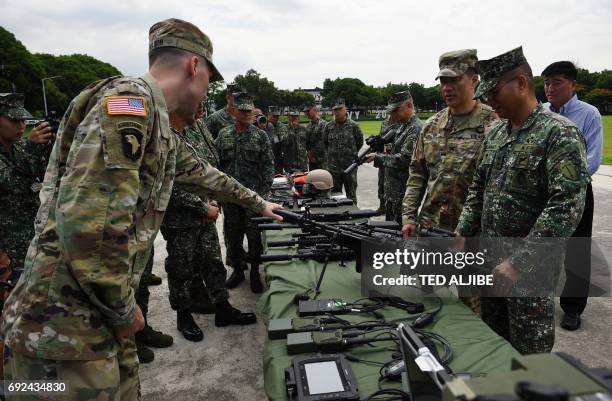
x=293 y=146
x=395 y=163
x=385 y=126
x=343 y=141
x=22 y=168
x=193 y=247
x=103 y=199
x=529 y=183
x=314 y=144
x=217 y=121
x=246 y=156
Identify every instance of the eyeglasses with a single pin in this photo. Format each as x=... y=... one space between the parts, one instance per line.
x=495 y=91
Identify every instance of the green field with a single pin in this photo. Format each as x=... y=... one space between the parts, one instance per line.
x=373 y=127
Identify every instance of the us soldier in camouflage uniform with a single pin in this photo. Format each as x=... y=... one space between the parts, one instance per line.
x=317 y=153
x=445 y=153
x=530 y=182
x=72 y=315
x=22 y=167
x=293 y=145
x=193 y=249
x=275 y=130
x=245 y=154
x=343 y=139
x=396 y=159
x=223 y=117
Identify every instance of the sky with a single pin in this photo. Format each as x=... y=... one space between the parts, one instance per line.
x=299 y=43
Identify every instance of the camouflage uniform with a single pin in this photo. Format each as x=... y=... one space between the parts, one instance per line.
x=529 y=183
x=293 y=145
x=277 y=130
x=385 y=126
x=193 y=247
x=246 y=156
x=103 y=199
x=314 y=144
x=442 y=167
x=21 y=170
x=395 y=163
x=343 y=141
x=217 y=121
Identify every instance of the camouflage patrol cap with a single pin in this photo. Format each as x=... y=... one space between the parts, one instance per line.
x=308 y=106
x=274 y=110
x=11 y=106
x=243 y=101
x=338 y=103
x=183 y=35
x=493 y=69
x=294 y=112
x=320 y=179
x=456 y=63
x=396 y=99
x=232 y=87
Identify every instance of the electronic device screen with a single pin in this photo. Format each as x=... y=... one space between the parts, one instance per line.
x=323 y=377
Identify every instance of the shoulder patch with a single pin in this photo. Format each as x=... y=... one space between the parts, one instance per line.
x=126 y=105
x=568 y=170
x=131 y=139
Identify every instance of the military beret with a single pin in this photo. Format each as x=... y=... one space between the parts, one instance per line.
x=338 y=103
x=456 y=63
x=243 y=101
x=183 y=35
x=396 y=99
x=11 y=106
x=493 y=69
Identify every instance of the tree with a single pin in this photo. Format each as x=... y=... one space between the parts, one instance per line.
x=262 y=89
x=604 y=81
x=600 y=98
x=354 y=92
x=295 y=99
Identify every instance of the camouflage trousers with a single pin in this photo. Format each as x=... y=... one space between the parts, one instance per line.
x=236 y=224
x=194 y=258
x=381 y=183
x=527 y=323
x=142 y=294
x=393 y=210
x=348 y=181
x=111 y=379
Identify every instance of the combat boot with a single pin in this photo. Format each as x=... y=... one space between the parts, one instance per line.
x=235 y=278
x=187 y=326
x=154 y=279
x=256 y=285
x=153 y=338
x=145 y=354
x=227 y=315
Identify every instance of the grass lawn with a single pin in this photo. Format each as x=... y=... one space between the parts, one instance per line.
x=607 y=150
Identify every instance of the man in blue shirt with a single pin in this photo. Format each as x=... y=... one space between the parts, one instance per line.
x=560 y=86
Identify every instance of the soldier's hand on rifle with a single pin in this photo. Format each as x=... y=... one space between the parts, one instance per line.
x=505 y=277
x=128 y=331
x=409 y=230
x=370 y=157
x=41 y=133
x=213 y=213
x=269 y=211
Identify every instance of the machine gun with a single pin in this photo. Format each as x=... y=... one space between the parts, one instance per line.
x=319 y=252
x=375 y=143
x=326 y=217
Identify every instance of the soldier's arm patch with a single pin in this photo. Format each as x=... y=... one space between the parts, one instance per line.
x=123 y=142
x=126 y=106
x=131 y=139
x=568 y=170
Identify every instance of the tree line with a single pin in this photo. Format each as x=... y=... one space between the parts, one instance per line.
x=22 y=71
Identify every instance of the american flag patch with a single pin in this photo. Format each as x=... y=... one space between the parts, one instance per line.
x=126 y=105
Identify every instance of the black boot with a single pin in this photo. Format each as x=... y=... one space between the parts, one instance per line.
x=226 y=315
x=153 y=338
x=145 y=354
x=187 y=326
x=256 y=286
x=235 y=278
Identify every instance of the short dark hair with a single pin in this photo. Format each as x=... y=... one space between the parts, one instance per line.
x=565 y=68
x=170 y=56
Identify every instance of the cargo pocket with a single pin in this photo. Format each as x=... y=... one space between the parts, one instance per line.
x=522 y=174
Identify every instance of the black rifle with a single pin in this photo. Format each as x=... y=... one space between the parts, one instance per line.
x=375 y=143
x=326 y=217
x=318 y=252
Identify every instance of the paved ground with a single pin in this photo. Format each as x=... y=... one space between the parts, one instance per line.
x=227 y=365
